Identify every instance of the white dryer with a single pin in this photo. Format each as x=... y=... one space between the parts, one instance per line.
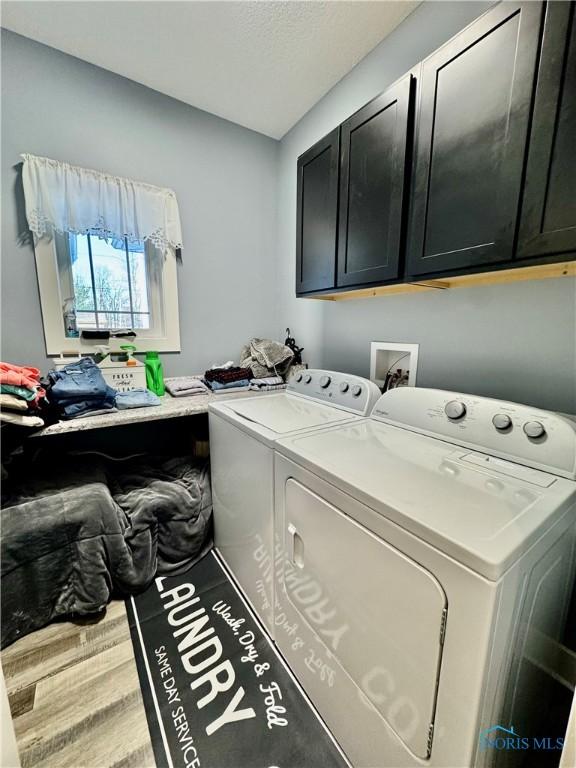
x=242 y=436
x=427 y=564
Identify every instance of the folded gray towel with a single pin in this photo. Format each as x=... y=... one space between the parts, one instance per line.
x=267 y=381
x=184 y=386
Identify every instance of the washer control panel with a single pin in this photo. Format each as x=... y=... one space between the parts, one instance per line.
x=520 y=433
x=342 y=390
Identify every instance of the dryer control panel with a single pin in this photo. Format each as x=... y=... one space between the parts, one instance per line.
x=519 y=433
x=342 y=390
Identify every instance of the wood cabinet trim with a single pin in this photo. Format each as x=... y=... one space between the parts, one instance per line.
x=515 y=274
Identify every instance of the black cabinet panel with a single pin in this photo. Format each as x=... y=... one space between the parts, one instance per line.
x=548 y=223
x=317 y=215
x=373 y=166
x=472 y=125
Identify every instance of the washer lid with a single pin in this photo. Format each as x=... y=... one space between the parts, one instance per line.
x=284 y=413
x=478 y=513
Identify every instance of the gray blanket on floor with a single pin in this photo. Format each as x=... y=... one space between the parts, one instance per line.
x=70 y=542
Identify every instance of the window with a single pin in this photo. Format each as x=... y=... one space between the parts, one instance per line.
x=112 y=284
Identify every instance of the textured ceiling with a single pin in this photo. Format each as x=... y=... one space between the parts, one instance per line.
x=262 y=64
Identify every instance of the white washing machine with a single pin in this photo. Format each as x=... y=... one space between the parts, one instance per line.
x=242 y=435
x=427 y=564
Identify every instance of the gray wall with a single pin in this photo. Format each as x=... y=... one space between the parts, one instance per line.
x=224 y=177
x=513 y=341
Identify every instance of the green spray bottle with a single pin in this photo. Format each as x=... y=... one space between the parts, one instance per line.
x=154 y=373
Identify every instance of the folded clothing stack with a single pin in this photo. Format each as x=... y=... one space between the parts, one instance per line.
x=232 y=386
x=268 y=384
x=136 y=398
x=227 y=379
x=78 y=389
x=20 y=395
x=185 y=386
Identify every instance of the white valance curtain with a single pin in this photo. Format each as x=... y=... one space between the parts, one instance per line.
x=65 y=198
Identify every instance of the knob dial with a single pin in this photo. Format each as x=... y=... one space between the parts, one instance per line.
x=356 y=390
x=307 y=379
x=299 y=378
x=502 y=421
x=325 y=381
x=455 y=410
x=344 y=387
x=534 y=429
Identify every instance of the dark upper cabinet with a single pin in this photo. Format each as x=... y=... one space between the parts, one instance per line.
x=475 y=100
x=548 y=220
x=373 y=151
x=317 y=215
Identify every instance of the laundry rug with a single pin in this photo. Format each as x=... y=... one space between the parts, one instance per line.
x=216 y=692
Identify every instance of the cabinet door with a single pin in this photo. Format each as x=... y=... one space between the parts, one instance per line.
x=472 y=126
x=373 y=145
x=548 y=223
x=317 y=215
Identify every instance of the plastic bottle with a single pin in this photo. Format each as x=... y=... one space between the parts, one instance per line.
x=128 y=350
x=154 y=373
x=70 y=324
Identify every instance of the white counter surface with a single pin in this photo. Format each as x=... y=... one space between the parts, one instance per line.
x=172 y=407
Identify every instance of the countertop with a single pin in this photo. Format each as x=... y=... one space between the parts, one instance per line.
x=171 y=408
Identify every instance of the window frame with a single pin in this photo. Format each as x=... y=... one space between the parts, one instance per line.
x=163 y=302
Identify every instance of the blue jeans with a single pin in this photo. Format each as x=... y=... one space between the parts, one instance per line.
x=214 y=385
x=72 y=409
x=136 y=398
x=78 y=381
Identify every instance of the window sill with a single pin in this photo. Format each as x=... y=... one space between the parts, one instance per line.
x=72 y=346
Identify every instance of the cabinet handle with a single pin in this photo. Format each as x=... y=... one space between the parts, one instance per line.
x=296 y=547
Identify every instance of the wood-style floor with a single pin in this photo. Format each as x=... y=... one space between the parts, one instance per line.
x=75 y=696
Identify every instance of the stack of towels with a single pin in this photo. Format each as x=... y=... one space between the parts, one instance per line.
x=21 y=395
x=268 y=384
x=224 y=378
x=184 y=386
x=78 y=389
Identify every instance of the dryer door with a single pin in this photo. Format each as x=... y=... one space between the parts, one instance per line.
x=380 y=614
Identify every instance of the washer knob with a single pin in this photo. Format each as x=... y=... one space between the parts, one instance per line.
x=356 y=390
x=455 y=410
x=502 y=421
x=299 y=378
x=344 y=387
x=325 y=381
x=534 y=429
x=307 y=379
